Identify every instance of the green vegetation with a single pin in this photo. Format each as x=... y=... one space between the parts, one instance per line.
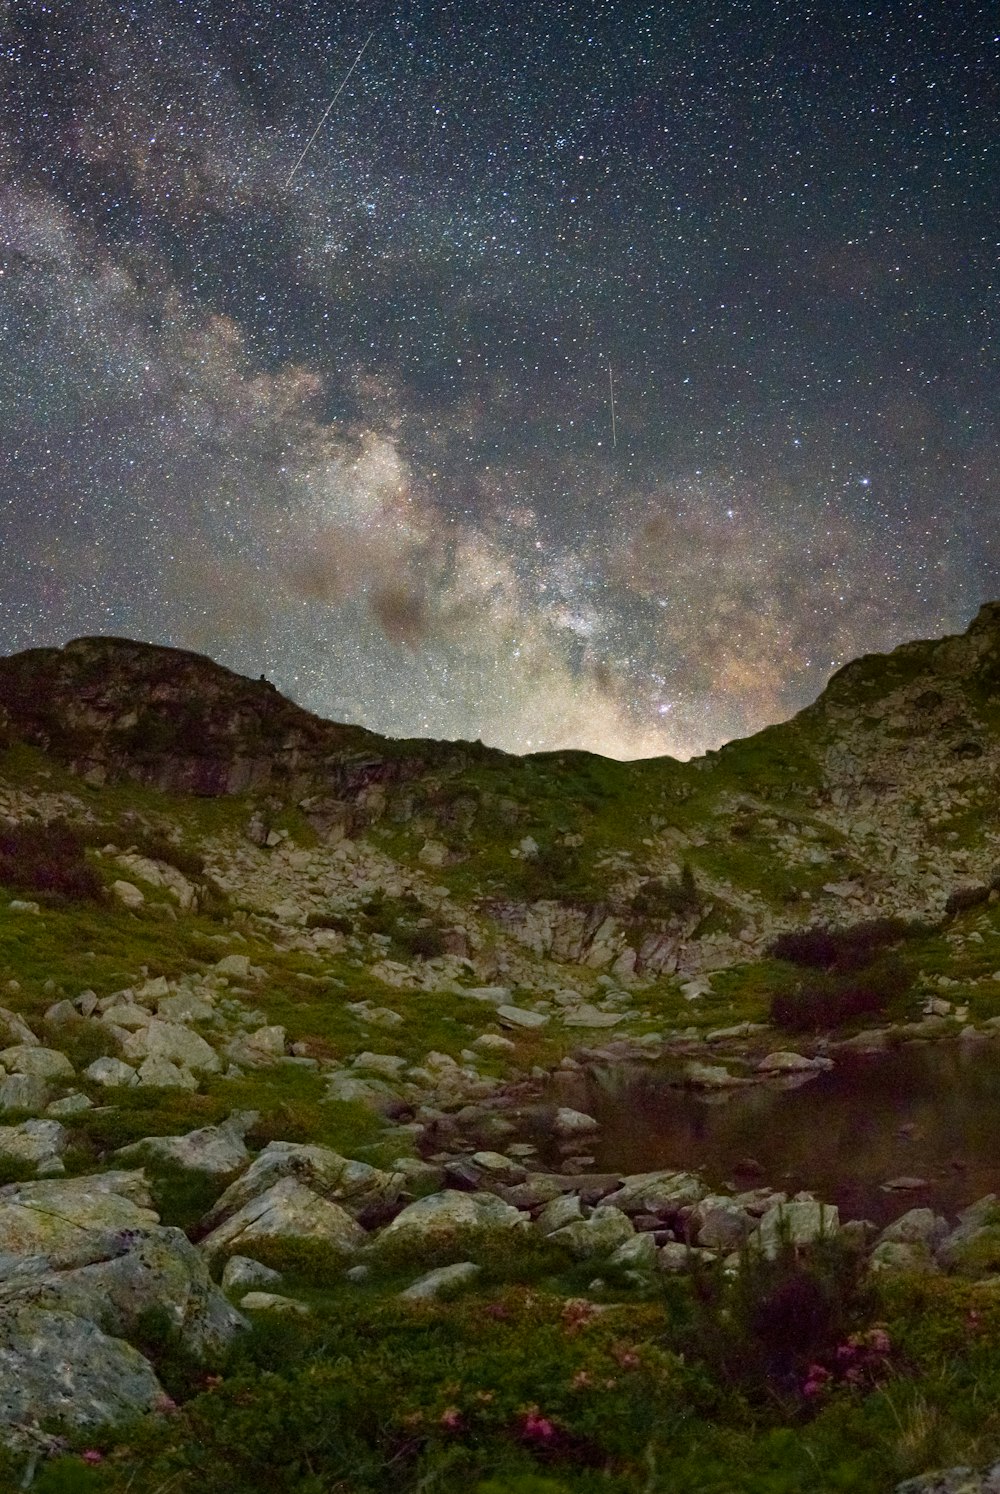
x=796 y=1376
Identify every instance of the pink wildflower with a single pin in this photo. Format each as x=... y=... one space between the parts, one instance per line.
x=451 y=1417
x=537 y=1427
x=92 y=1455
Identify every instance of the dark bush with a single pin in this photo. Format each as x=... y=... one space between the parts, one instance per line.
x=663 y=897
x=832 y=998
x=48 y=861
x=842 y=950
x=420 y=943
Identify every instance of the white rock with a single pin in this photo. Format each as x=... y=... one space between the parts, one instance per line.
x=240 y=1272
x=234 y=964
x=174 y=1042
x=518 y=1016
x=287 y=1210
x=443 y=1213
x=446 y=1278
x=40 y=1063
x=128 y=893
x=160 y=1073
x=273 y=1302
x=569 y=1122
x=111 y=1072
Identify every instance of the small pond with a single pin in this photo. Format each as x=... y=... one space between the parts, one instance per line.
x=923 y=1110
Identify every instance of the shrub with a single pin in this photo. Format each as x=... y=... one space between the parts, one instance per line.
x=842 y=949
x=767 y=1329
x=831 y=998
x=663 y=897
x=48 y=861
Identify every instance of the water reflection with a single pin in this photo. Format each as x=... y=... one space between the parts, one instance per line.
x=930 y=1111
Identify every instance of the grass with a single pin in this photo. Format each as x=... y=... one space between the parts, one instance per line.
x=523 y=1386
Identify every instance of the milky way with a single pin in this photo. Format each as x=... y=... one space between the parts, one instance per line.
x=349 y=424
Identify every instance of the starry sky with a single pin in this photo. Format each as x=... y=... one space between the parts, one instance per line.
x=345 y=418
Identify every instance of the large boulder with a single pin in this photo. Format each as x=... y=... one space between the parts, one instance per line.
x=442 y=1214
x=604 y=1231
x=657 y=1192
x=287 y=1211
x=798 y=1222
x=174 y=1042
x=115 y=1276
x=60 y=1367
x=33 y=1141
x=57 y=1215
x=356 y=1186
x=213 y=1149
x=40 y=1063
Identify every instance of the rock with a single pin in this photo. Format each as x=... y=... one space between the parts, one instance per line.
x=38 y=1062
x=47 y=1217
x=177 y=1044
x=156 y=988
x=185 y=1007
x=518 y=1016
x=18 y=1029
x=111 y=1072
x=269 y=1042
x=61 y=1012
x=916 y=1226
x=791 y=1063
x=493 y=1042
x=443 y=1281
x=160 y=1073
x=798 y=1222
x=114 y=1278
x=558 y=1212
x=657 y=1192
x=569 y=1122
x=591 y=1016
x=23 y=905
x=903 y=1185
x=718 y=1223
x=433 y=853
x=160 y=874
x=500 y=1168
x=605 y=1229
x=356 y=1186
x=286 y=1211
x=59 y=1367
x=34 y=1142
x=128 y=894
x=234 y=964
x=442 y=1214
x=23 y=1092
x=638 y=1254
x=902 y=1255
x=126 y=1014
x=708 y=1075
x=675 y=1257
x=241 y=1272
x=273 y=1302
x=960 y=1480
x=388 y=1065
x=216 y=1150
x=70 y=1104
x=494 y=995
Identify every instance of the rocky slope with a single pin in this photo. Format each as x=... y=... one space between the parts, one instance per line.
x=323 y=975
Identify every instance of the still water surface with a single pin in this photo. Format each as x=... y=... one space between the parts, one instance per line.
x=930 y=1111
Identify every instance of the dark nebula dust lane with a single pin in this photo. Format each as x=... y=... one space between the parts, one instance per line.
x=338 y=408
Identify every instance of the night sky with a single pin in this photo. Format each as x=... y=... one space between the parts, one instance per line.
x=350 y=424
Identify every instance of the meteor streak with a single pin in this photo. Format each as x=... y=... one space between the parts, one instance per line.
x=326 y=112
